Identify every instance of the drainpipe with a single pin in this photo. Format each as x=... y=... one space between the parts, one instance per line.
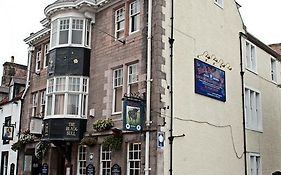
x=171 y=42
x=30 y=51
x=243 y=102
x=148 y=87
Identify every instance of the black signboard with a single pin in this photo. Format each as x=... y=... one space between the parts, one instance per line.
x=44 y=169
x=115 y=170
x=63 y=129
x=90 y=169
x=12 y=169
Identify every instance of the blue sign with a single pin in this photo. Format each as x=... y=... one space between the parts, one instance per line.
x=160 y=139
x=133 y=114
x=209 y=80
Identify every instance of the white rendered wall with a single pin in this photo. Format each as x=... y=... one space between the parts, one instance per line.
x=13 y=110
x=204 y=26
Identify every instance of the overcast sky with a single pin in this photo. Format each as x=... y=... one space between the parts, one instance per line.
x=19 y=18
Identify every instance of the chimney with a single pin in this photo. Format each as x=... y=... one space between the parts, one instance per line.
x=12 y=59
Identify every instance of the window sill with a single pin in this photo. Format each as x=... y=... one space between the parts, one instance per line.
x=116 y=113
x=252 y=71
x=219 y=5
x=254 y=130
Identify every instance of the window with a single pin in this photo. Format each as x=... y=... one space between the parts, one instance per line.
x=134 y=16
x=70 y=31
x=251 y=56
x=131 y=88
x=132 y=79
x=255 y=164
x=273 y=70
x=34 y=104
x=42 y=104
x=134 y=159
x=105 y=161
x=38 y=60
x=120 y=22
x=219 y=2
x=117 y=90
x=124 y=27
x=46 y=56
x=67 y=96
x=81 y=161
x=253 y=110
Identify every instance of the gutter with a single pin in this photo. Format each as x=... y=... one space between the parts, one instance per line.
x=148 y=87
x=243 y=102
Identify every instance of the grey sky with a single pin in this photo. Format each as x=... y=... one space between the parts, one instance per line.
x=20 y=18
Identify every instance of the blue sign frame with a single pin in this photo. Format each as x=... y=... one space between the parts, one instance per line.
x=133 y=114
x=209 y=80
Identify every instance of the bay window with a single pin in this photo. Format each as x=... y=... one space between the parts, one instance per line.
x=67 y=96
x=70 y=32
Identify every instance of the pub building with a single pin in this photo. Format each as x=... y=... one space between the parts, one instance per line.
x=90 y=62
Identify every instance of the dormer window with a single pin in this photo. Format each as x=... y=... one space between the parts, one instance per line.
x=70 y=32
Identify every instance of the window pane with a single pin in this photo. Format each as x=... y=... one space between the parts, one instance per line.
x=60 y=84
x=49 y=103
x=73 y=103
x=74 y=84
x=50 y=85
x=134 y=16
x=64 y=30
x=59 y=104
x=54 y=33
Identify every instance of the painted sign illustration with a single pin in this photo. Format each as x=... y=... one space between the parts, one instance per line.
x=209 y=80
x=8 y=132
x=133 y=114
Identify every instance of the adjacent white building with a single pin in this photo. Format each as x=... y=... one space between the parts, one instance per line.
x=10 y=111
x=261 y=67
x=207 y=95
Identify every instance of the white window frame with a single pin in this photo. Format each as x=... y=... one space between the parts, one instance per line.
x=105 y=170
x=253 y=113
x=119 y=19
x=135 y=15
x=133 y=160
x=38 y=60
x=255 y=164
x=82 y=150
x=251 y=56
x=132 y=78
x=52 y=92
x=42 y=103
x=219 y=3
x=118 y=84
x=46 y=52
x=55 y=33
x=273 y=69
x=34 y=103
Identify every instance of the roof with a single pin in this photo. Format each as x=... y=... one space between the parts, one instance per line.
x=261 y=45
x=6 y=99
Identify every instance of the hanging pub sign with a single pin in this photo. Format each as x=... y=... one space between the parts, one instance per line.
x=209 y=80
x=7 y=132
x=133 y=114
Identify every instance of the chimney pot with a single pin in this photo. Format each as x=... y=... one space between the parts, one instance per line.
x=12 y=59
